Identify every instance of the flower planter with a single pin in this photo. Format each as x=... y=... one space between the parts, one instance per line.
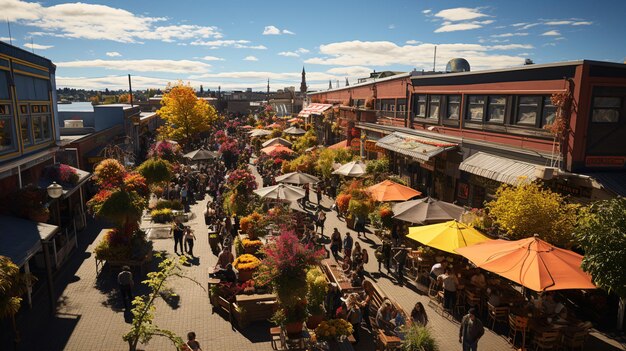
x=245 y=275
x=313 y=321
x=294 y=328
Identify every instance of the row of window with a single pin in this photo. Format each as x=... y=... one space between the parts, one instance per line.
x=35 y=128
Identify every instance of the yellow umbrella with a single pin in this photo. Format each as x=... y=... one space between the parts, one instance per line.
x=447 y=236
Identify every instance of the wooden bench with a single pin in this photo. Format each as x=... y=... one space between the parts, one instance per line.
x=382 y=340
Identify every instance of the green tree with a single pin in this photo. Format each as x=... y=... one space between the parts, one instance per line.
x=306 y=141
x=156 y=170
x=143 y=328
x=184 y=114
x=527 y=209
x=13 y=284
x=601 y=232
x=329 y=156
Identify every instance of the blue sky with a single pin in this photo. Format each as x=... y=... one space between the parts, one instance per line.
x=239 y=44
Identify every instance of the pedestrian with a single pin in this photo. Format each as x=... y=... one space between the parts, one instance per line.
x=321 y=218
x=307 y=192
x=471 y=331
x=179 y=230
x=193 y=344
x=354 y=316
x=125 y=282
x=360 y=225
x=395 y=236
x=318 y=191
x=386 y=251
x=400 y=258
x=365 y=256
x=335 y=242
x=347 y=245
x=184 y=192
x=450 y=284
x=189 y=238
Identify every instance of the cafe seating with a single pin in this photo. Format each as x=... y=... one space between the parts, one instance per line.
x=575 y=341
x=433 y=288
x=275 y=334
x=473 y=300
x=546 y=340
x=497 y=314
x=517 y=325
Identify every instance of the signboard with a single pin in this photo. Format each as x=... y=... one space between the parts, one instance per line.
x=605 y=161
x=370 y=145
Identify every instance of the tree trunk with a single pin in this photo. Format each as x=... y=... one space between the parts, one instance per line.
x=620 y=312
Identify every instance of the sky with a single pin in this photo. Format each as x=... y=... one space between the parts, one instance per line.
x=237 y=44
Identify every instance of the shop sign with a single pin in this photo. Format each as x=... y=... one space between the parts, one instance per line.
x=570 y=189
x=370 y=145
x=605 y=161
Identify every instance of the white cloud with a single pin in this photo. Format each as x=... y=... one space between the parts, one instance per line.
x=551 y=33
x=113 y=54
x=302 y=51
x=507 y=35
x=426 y=11
x=519 y=24
x=557 y=23
x=559 y=38
x=288 y=54
x=385 y=53
x=250 y=58
x=7 y=39
x=351 y=71
x=549 y=44
x=212 y=58
x=457 y=27
x=148 y=65
x=99 y=22
x=273 y=30
x=511 y=47
x=391 y=26
x=582 y=23
x=37 y=46
x=238 y=44
x=412 y=42
x=459 y=14
x=528 y=26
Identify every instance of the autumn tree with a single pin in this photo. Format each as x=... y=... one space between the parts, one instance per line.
x=527 y=209
x=184 y=114
x=601 y=231
x=123 y=99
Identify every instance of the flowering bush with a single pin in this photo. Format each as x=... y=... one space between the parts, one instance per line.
x=109 y=173
x=165 y=150
x=229 y=149
x=162 y=216
x=386 y=215
x=156 y=170
x=220 y=136
x=67 y=174
x=242 y=181
x=253 y=225
x=251 y=245
x=246 y=262
x=333 y=329
x=343 y=201
x=136 y=182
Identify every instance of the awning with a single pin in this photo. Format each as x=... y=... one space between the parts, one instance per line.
x=21 y=238
x=615 y=182
x=314 y=109
x=68 y=189
x=417 y=147
x=501 y=169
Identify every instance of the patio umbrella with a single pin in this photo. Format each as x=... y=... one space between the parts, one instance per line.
x=274 y=125
x=530 y=262
x=294 y=120
x=340 y=145
x=427 y=211
x=281 y=192
x=352 y=169
x=247 y=127
x=295 y=131
x=297 y=178
x=276 y=148
x=275 y=141
x=201 y=155
x=392 y=191
x=259 y=132
x=447 y=236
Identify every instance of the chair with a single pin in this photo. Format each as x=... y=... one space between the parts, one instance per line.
x=433 y=288
x=473 y=300
x=517 y=324
x=497 y=314
x=276 y=338
x=546 y=340
x=459 y=307
x=575 y=340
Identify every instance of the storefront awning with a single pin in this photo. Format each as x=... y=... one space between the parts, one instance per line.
x=417 y=147
x=21 y=238
x=615 y=182
x=498 y=168
x=314 y=109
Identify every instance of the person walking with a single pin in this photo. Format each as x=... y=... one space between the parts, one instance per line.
x=125 y=282
x=347 y=245
x=189 y=238
x=179 y=231
x=318 y=192
x=400 y=258
x=192 y=343
x=471 y=331
x=386 y=251
x=335 y=243
x=321 y=218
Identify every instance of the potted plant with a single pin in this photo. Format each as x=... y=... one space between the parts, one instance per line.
x=333 y=330
x=30 y=203
x=246 y=265
x=251 y=246
x=317 y=289
x=418 y=338
x=254 y=225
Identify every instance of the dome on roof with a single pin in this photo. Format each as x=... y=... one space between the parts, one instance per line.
x=457 y=65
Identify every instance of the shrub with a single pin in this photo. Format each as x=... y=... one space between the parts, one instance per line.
x=418 y=338
x=343 y=201
x=251 y=245
x=253 y=225
x=332 y=329
x=156 y=170
x=173 y=204
x=162 y=216
x=246 y=262
x=318 y=287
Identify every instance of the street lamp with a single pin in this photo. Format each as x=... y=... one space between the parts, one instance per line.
x=55 y=190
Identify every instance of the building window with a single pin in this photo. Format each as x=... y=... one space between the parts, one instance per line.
x=401 y=105
x=548 y=113
x=475 y=108
x=527 y=110
x=454 y=107
x=434 y=102
x=496 y=109
x=7 y=130
x=25 y=127
x=388 y=105
x=420 y=106
x=4 y=86
x=606 y=109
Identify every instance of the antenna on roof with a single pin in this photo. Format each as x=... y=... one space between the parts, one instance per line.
x=10 y=37
x=435 y=59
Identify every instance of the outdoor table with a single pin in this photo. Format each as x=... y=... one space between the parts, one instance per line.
x=388 y=342
x=336 y=275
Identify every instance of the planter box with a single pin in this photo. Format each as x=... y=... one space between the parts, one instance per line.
x=350 y=222
x=253 y=308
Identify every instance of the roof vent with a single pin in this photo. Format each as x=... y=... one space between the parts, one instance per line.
x=457 y=65
x=73 y=123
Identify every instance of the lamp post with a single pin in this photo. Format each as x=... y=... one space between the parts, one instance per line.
x=54 y=191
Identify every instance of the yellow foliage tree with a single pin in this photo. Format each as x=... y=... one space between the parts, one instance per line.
x=184 y=114
x=123 y=99
x=527 y=209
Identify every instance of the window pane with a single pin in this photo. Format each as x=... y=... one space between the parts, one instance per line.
x=25 y=130
x=37 y=129
x=4 y=86
x=420 y=105
x=497 y=108
x=45 y=127
x=454 y=107
x=613 y=102
x=549 y=112
x=527 y=109
x=605 y=115
x=7 y=139
x=476 y=108
x=433 y=111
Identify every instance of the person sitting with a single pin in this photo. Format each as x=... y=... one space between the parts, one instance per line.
x=227 y=274
x=418 y=315
x=478 y=279
x=224 y=258
x=358 y=276
x=494 y=298
x=384 y=316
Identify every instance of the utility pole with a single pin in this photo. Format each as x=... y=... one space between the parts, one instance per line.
x=130 y=91
x=10 y=37
x=435 y=59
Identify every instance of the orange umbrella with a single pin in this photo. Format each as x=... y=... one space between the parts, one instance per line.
x=276 y=148
x=340 y=145
x=274 y=125
x=530 y=262
x=294 y=120
x=392 y=191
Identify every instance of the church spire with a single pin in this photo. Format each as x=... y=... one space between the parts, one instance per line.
x=330 y=84
x=347 y=83
x=268 y=89
x=303 y=87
